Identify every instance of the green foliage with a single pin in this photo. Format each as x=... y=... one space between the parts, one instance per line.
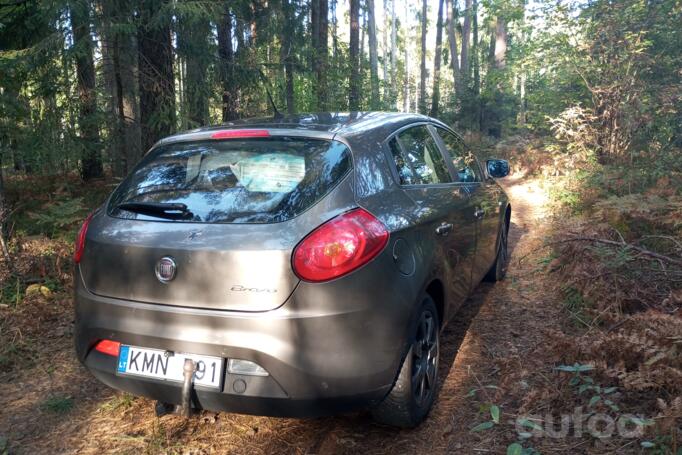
x=15 y=353
x=119 y=401
x=11 y=292
x=494 y=411
x=58 y=215
x=58 y=404
x=660 y=445
x=575 y=304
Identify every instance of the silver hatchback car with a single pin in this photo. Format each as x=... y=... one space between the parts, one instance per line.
x=296 y=266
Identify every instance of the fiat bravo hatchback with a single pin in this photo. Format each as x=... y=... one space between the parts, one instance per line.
x=296 y=266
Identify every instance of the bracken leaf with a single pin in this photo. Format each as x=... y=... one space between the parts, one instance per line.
x=483 y=426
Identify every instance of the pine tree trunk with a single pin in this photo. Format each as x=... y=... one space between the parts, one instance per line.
x=384 y=63
x=286 y=54
x=406 y=82
x=193 y=49
x=335 y=32
x=125 y=70
x=157 y=83
x=452 y=41
x=115 y=150
x=491 y=44
x=500 y=43
x=394 y=50
x=475 y=50
x=522 y=100
x=373 y=58
x=322 y=55
x=314 y=33
x=121 y=64
x=466 y=30
x=91 y=159
x=362 y=26
x=113 y=143
x=476 y=61
x=354 y=80
x=435 y=98
x=422 y=67
x=226 y=65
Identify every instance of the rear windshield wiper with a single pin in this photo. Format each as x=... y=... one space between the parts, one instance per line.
x=168 y=210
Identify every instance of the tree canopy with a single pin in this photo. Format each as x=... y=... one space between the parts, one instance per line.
x=91 y=85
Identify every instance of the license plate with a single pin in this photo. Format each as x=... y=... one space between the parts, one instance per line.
x=158 y=364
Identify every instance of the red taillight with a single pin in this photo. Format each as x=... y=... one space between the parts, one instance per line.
x=339 y=246
x=80 y=240
x=108 y=347
x=239 y=134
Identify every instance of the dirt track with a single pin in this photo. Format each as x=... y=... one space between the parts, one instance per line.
x=494 y=333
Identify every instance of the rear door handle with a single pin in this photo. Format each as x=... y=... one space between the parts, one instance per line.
x=444 y=229
x=479 y=213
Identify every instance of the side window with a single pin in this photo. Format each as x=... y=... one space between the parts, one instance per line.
x=463 y=160
x=405 y=172
x=421 y=154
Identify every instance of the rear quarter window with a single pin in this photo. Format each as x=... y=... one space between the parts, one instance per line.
x=263 y=180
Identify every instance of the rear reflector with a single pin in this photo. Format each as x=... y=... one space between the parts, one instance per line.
x=245 y=367
x=108 y=347
x=339 y=246
x=80 y=239
x=239 y=134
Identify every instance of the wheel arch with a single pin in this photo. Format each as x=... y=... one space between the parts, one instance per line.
x=436 y=291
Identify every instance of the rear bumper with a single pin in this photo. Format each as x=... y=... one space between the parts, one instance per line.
x=263 y=396
x=321 y=361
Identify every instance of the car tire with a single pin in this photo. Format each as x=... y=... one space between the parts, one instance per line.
x=499 y=268
x=414 y=390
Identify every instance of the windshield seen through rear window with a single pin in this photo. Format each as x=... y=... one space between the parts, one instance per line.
x=264 y=180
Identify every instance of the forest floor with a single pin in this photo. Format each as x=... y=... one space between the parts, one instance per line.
x=495 y=353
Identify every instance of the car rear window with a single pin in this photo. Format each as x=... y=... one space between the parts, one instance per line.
x=263 y=180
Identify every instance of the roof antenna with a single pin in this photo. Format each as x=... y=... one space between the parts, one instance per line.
x=277 y=113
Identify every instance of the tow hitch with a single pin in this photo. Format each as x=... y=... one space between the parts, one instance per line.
x=187 y=372
x=185 y=408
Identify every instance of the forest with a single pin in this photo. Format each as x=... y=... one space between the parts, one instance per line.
x=583 y=97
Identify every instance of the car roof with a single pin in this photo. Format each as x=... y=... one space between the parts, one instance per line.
x=348 y=125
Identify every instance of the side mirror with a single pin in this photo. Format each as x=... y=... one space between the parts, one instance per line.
x=497 y=168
